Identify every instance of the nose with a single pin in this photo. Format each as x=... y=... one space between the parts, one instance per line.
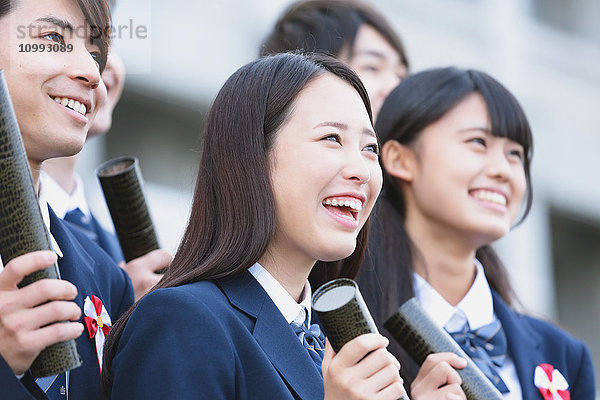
x=498 y=166
x=356 y=167
x=391 y=81
x=84 y=68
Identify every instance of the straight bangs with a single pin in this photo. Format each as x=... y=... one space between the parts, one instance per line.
x=97 y=15
x=508 y=120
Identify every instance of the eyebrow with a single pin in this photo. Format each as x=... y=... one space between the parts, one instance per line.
x=477 y=128
x=374 y=53
x=62 y=23
x=344 y=127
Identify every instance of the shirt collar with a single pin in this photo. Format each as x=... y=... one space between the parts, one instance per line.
x=282 y=299
x=476 y=308
x=46 y=217
x=61 y=201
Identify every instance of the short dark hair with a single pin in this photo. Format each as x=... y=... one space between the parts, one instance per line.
x=327 y=26
x=97 y=15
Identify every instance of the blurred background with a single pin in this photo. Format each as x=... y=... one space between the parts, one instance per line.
x=547 y=52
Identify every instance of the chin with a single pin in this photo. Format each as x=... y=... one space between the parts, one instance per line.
x=490 y=235
x=71 y=148
x=338 y=252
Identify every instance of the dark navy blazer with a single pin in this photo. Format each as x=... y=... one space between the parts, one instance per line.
x=93 y=272
x=105 y=239
x=532 y=341
x=221 y=339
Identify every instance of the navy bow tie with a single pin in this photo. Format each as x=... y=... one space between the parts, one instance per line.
x=487 y=347
x=312 y=338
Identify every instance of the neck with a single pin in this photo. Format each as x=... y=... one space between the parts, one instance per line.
x=35 y=168
x=443 y=260
x=289 y=272
x=62 y=170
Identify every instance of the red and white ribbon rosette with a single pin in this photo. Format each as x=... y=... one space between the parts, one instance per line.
x=98 y=323
x=551 y=382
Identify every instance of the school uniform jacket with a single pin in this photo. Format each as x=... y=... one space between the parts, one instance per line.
x=92 y=271
x=221 y=339
x=532 y=342
x=106 y=240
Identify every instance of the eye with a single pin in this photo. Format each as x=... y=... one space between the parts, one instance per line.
x=333 y=137
x=517 y=154
x=96 y=56
x=478 y=140
x=373 y=148
x=371 y=68
x=55 y=37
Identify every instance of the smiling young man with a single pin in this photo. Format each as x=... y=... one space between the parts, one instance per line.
x=65 y=191
x=56 y=95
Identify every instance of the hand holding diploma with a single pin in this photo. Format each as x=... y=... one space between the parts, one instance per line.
x=362 y=367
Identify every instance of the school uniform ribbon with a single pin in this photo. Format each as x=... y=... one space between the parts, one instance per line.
x=98 y=323
x=551 y=382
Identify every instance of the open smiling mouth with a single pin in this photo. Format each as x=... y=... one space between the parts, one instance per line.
x=343 y=207
x=72 y=104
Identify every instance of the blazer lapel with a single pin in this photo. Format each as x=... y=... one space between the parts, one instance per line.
x=523 y=346
x=276 y=338
x=73 y=252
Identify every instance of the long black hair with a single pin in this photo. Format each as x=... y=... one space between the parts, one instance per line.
x=386 y=276
x=232 y=220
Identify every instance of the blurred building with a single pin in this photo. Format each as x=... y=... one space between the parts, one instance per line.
x=546 y=52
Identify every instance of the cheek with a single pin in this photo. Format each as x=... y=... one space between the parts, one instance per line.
x=519 y=189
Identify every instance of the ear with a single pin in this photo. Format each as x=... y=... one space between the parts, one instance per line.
x=398 y=160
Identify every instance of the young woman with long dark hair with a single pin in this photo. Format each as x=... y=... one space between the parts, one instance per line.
x=456 y=160
x=288 y=175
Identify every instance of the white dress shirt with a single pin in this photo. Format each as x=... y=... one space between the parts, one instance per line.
x=476 y=308
x=61 y=201
x=285 y=303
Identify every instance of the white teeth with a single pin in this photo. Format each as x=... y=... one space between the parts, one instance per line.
x=72 y=104
x=492 y=197
x=355 y=205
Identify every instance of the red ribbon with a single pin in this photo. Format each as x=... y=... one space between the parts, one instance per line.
x=92 y=323
x=549 y=394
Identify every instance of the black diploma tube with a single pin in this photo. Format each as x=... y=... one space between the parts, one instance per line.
x=22 y=229
x=121 y=182
x=420 y=336
x=343 y=313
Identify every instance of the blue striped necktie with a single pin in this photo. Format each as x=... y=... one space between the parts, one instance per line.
x=312 y=338
x=487 y=347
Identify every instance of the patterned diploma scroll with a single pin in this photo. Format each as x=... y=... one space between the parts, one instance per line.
x=22 y=228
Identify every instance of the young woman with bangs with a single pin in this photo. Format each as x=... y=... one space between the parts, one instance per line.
x=456 y=159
